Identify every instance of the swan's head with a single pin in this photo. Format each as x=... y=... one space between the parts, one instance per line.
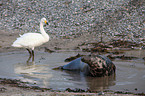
x=44 y=21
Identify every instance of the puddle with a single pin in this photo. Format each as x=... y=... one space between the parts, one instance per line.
x=130 y=74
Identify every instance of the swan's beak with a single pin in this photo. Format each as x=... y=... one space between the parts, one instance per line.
x=46 y=22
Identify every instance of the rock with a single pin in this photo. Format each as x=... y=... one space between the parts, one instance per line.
x=111 y=57
x=123 y=57
x=57 y=48
x=124 y=43
x=48 y=50
x=73 y=58
x=96 y=47
x=2 y=89
x=1 y=3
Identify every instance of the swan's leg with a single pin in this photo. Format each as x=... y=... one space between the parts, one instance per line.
x=29 y=52
x=30 y=55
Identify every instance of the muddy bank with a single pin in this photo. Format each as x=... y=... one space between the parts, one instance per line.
x=114 y=45
x=85 y=42
x=17 y=87
x=7 y=38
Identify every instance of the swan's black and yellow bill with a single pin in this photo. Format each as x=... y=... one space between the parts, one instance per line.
x=46 y=22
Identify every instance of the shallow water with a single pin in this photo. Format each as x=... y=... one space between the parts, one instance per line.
x=130 y=74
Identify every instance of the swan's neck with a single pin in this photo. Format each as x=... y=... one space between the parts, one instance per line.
x=44 y=34
x=42 y=29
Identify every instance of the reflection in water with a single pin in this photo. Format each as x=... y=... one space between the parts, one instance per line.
x=32 y=73
x=93 y=83
x=99 y=84
x=31 y=55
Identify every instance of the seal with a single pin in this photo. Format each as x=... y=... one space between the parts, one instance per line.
x=91 y=65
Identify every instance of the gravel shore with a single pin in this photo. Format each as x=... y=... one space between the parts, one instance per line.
x=69 y=19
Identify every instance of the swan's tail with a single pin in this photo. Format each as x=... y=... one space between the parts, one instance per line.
x=16 y=45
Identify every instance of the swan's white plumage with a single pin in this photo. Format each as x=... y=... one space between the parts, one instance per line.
x=32 y=40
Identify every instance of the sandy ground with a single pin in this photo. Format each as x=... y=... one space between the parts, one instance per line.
x=7 y=38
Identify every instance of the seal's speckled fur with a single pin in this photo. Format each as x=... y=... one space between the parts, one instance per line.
x=99 y=65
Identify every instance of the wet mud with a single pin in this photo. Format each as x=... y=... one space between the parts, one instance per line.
x=20 y=84
x=105 y=47
x=23 y=85
x=40 y=74
x=73 y=57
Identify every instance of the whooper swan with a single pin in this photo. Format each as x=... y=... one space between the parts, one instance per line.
x=32 y=40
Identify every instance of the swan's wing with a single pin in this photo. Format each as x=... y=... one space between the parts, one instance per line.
x=29 y=40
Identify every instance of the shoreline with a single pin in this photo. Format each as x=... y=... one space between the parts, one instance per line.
x=16 y=87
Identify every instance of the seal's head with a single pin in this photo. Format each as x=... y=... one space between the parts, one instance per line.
x=99 y=65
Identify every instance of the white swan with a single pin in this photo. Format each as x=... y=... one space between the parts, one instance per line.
x=32 y=40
